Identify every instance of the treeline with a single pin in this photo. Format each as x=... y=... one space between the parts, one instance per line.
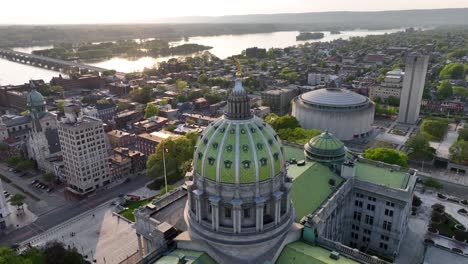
x=128 y=48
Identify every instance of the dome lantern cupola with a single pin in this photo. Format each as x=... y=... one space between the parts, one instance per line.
x=35 y=103
x=238 y=103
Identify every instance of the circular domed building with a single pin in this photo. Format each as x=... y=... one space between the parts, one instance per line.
x=239 y=199
x=36 y=104
x=325 y=148
x=343 y=113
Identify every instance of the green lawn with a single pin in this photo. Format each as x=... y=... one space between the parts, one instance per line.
x=300 y=252
x=381 y=176
x=128 y=213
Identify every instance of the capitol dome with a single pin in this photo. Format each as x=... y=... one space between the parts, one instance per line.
x=239 y=195
x=345 y=114
x=325 y=148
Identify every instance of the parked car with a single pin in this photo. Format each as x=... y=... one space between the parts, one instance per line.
x=50 y=189
x=33 y=182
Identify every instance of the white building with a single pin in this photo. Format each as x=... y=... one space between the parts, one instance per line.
x=4 y=212
x=390 y=86
x=84 y=149
x=413 y=87
x=343 y=113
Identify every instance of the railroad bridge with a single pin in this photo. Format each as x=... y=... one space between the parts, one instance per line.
x=46 y=62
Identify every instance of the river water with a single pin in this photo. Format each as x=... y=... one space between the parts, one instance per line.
x=223 y=46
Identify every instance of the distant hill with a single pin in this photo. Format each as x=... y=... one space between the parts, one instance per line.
x=401 y=18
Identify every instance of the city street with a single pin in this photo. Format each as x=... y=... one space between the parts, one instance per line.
x=70 y=209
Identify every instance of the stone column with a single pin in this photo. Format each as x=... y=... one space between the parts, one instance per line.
x=277 y=196
x=259 y=204
x=145 y=245
x=287 y=187
x=236 y=214
x=198 y=208
x=140 y=246
x=214 y=200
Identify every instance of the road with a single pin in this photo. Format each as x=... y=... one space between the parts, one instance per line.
x=67 y=211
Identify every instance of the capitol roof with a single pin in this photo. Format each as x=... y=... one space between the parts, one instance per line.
x=335 y=97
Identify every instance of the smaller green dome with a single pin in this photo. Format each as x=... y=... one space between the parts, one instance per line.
x=34 y=98
x=325 y=148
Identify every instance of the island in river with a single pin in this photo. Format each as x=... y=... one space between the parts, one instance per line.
x=121 y=48
x=310 y=35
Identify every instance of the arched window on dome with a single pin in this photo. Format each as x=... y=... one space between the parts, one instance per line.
x=263 y=161
x=211 y=161
x=245 y=148
x=227 y=164
x=246 y=164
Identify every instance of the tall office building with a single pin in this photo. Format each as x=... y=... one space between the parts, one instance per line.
x=84 y=149
x=413 y=87
x=4 y=212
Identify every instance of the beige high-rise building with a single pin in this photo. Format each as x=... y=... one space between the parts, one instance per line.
x=413 y=87
x=84 y=149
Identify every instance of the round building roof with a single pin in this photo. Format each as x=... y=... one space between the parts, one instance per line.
x=334 y=97
x=325 y=148
x=34 y=98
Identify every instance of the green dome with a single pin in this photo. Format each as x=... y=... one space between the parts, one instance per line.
x=36 y=104
x=325 y=148
x=238 y=151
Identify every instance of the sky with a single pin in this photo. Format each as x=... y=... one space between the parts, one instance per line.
x=136 y=11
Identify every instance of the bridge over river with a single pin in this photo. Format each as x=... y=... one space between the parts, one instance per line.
x=46 y=62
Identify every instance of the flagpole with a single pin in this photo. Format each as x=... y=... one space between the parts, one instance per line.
x=164 y=165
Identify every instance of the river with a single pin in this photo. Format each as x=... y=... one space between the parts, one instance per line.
x=223 y=46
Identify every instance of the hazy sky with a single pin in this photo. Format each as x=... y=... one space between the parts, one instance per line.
x=117 y=11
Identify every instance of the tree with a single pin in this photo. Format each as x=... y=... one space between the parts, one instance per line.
x=203 y=79
x=60 y=105
x=282 y=122
x=151 y=110
x=56 y=89
x=25 y=165
x=434 y=129
x=103 y=101
x=463 y=134
x=387 y=155
x=142 y=95
x=17 y=200
x=178 y=155
x=453 y=71
x=419 y=148
x=181 y=86
x=460 y=91
x=393 y=101
x=444 y=91
x=48 y=177
x=298 y=135
x=122 y=106
x=288 y=74
x=459 y=152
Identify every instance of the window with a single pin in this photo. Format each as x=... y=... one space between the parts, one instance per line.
x=383 y=245
x=384 y=238
x=371 y=207
x=387 y=225
x=359 y=195
x=247 y=213
x=353 y=244
x=357 y=216
x=227 y=212
x=367 y=232
x=390 y=204
x=355 y=227
x=369 y=220
x=358 y=203
x=354 y=235
x=389 y=212
x=365 y=239
x=370 y=198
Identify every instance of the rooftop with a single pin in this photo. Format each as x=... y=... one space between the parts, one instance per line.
x=190 y=256
x=300 y=252
x=310 y=182
x=334 y=97
x=381 y=175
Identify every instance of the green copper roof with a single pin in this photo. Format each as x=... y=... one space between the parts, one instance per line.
x=310 y=183
x=381 y=175
x=34 y=98
x=238 y=151
x=300 y=252
x=325 y=148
